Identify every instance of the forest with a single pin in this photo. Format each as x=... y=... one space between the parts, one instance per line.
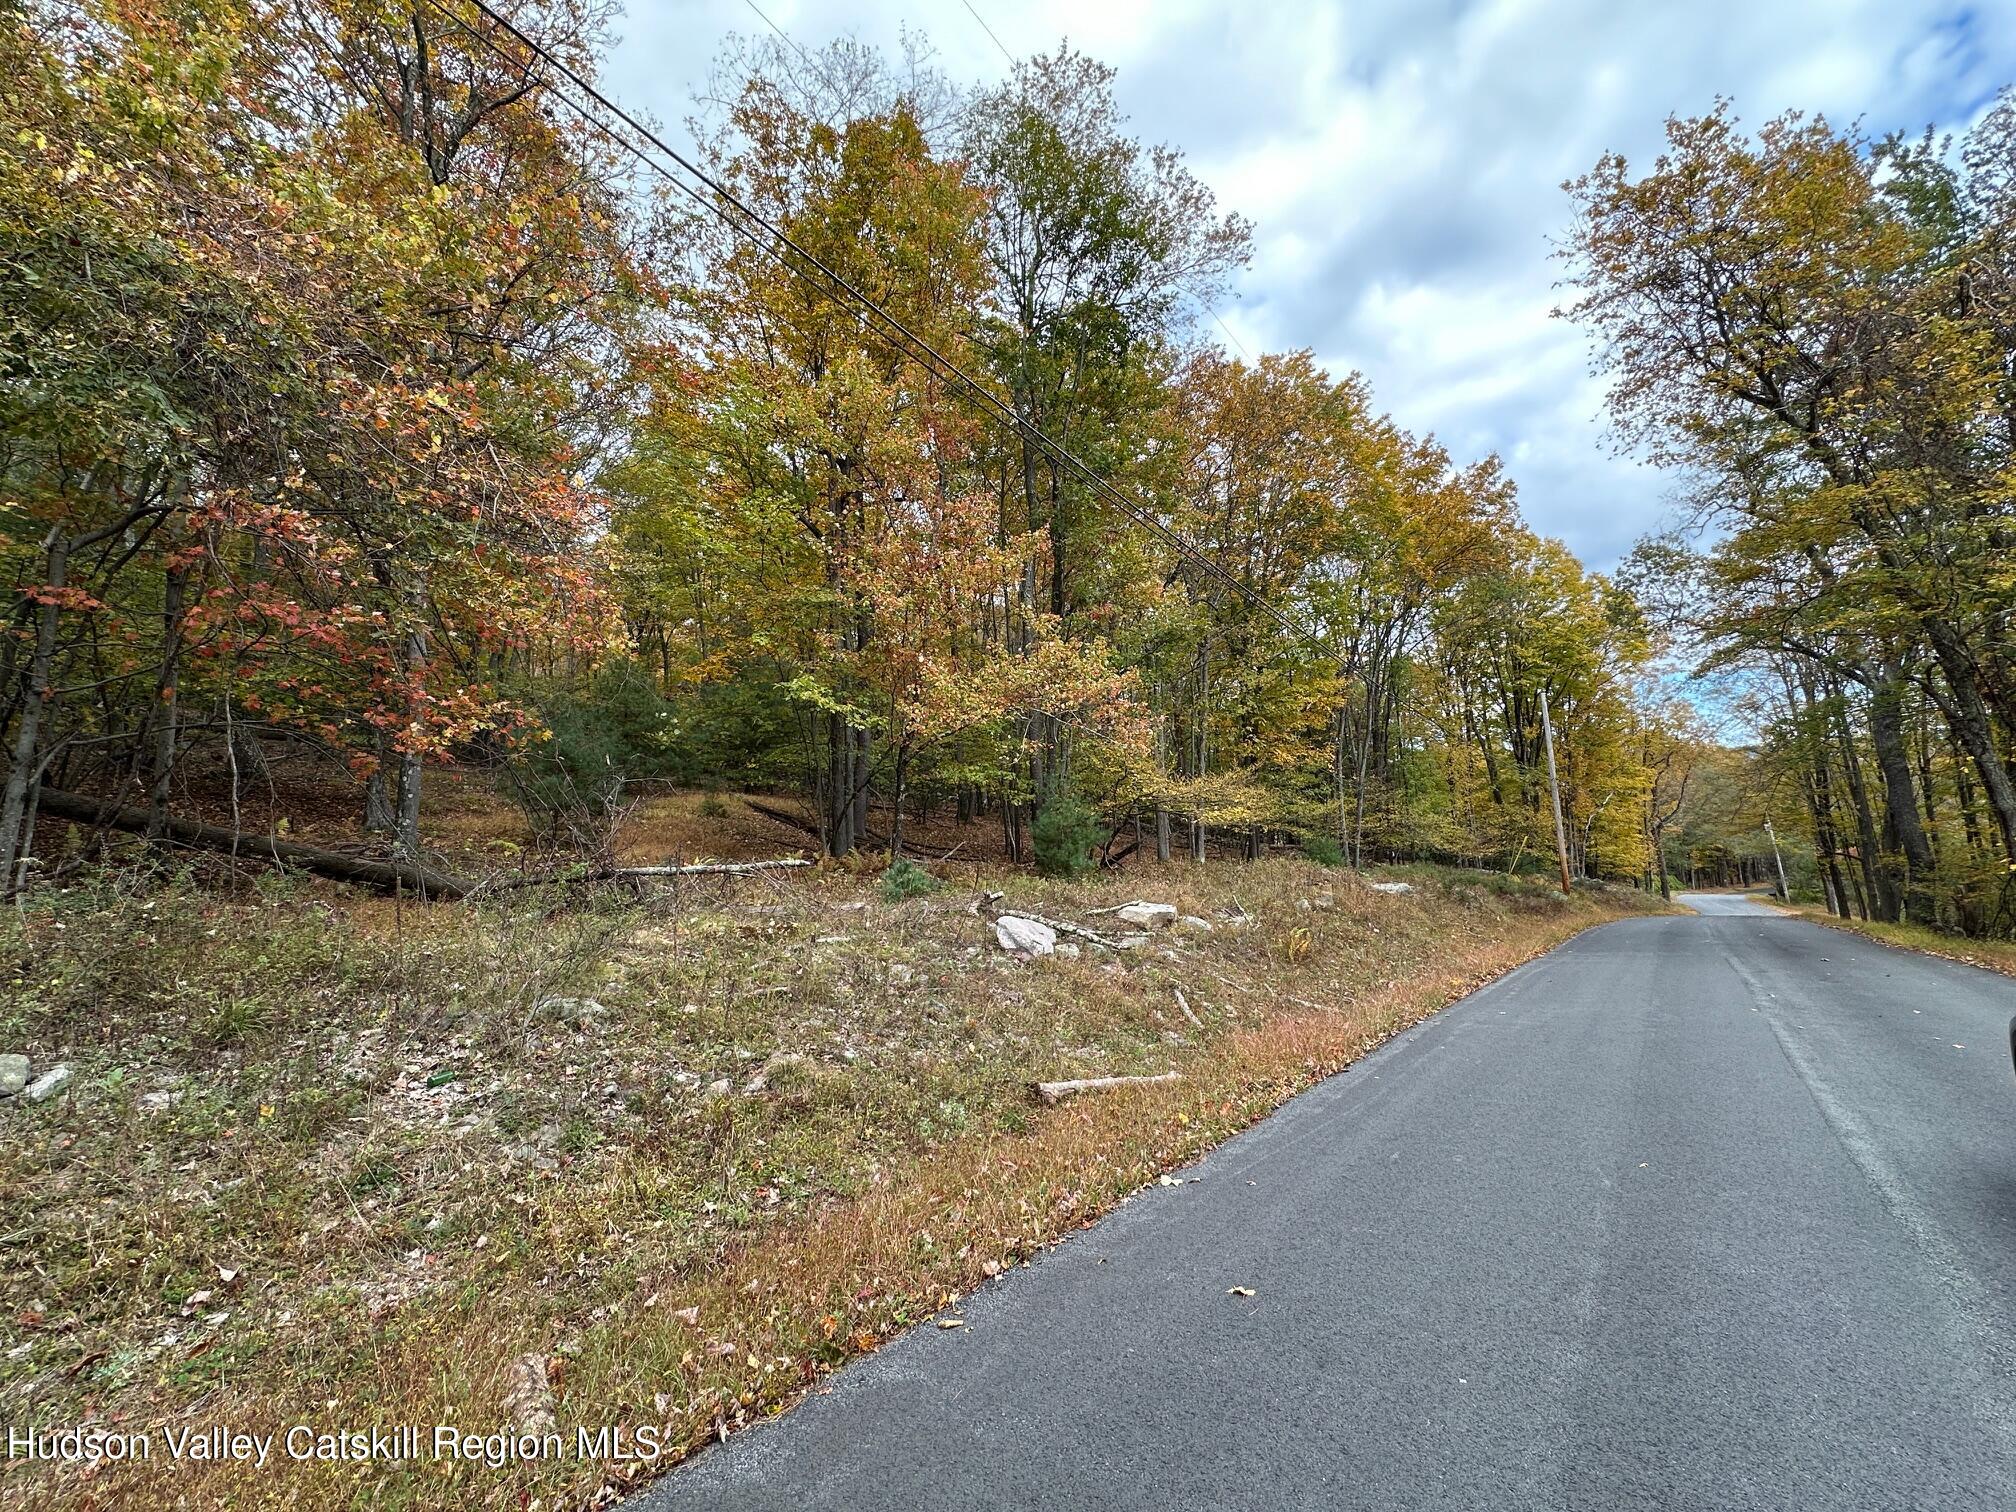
x=379 y=400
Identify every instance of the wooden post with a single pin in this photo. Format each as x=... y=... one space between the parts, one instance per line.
x=1554 y=791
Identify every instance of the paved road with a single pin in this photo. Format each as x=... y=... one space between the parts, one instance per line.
x=1709 y=1212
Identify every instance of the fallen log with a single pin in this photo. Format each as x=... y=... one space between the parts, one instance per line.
x=706 y=868
x=782 y=816
x=869 y=838
x=388 y=875
x=1052 y=1093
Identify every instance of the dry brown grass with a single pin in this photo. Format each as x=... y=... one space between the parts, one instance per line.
x=573 y=1192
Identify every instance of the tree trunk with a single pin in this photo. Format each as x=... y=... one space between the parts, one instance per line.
x=408 y=817
x=380 y=817
x=1162 y=834
x=896 y=823
x=1900 y=798
x=165 y=706
x=1880 y=898
x=27 y=737
x=839 y=811
x=861 y=766
x=1968 y=719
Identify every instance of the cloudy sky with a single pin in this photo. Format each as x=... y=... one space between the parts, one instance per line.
x=1401 y=161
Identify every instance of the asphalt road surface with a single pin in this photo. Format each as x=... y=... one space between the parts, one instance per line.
x=1705 y=1212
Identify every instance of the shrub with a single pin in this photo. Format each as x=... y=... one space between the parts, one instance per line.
x=1323 y=850
x=1063 y=836
x=597 y=737
x=906 y=879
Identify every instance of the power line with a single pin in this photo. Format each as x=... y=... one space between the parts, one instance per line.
x=789 y=42
x=905 y=341
x=898 y=335
x=1231 y=338
x=989 y=30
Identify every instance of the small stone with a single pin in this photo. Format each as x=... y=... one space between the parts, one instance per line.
x=1393 y=887
x=1069 y=951
x=901 y=975
x=1192 y=924
x=48 y=1084
x=716 y=1088
x=13 y=1074
x=158 y=1102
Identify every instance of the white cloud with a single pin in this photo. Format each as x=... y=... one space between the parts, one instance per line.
x=1402 y=161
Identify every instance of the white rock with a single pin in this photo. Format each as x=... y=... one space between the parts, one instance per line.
x=1193 y=924
x=1025 y=936
x=48 y=1084
x=13 y=1074
x=1393 y=887
x=1147 y=915
x=1068 y=951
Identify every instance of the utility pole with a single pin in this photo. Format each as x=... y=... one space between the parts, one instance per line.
x=1554 y=790
x=1784 y=891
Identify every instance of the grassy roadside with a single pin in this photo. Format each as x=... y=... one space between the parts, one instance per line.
x=1995 y=955
x=336 y=1164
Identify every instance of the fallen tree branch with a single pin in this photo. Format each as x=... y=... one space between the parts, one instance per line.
x=340 y=865
x=1052 y=1093
x=1079 y=931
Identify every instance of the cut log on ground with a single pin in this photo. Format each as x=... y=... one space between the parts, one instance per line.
x=1052 y=1093
x=388 y=875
